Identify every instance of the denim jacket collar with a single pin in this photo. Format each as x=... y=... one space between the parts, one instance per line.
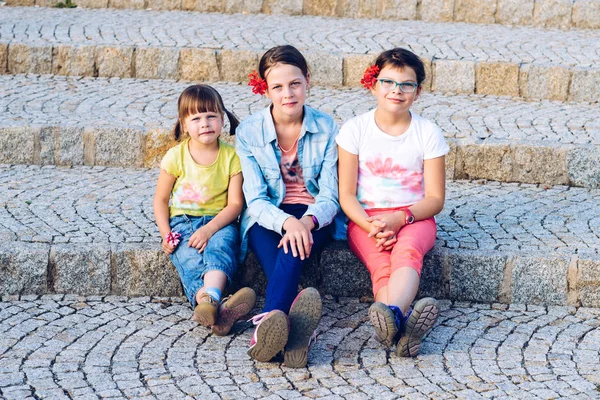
x=269 y=134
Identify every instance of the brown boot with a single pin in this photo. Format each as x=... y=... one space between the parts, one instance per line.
x=206 y=310
x=233 y=308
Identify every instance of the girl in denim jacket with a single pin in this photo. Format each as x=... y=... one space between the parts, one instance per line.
x=197 y=202
x=289 y=157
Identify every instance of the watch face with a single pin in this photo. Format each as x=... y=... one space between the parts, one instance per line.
x=411 y=219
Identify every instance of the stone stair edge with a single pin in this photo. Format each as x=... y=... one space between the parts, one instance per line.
x=523 y=162
x=502 y=78
x=455 y=274
x=562 y=14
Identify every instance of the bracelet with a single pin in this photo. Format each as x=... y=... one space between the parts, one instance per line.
x=315 y=221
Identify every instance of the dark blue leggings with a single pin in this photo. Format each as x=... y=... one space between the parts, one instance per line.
x=282 y=270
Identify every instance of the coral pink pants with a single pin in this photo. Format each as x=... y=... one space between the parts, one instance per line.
x=414 y=241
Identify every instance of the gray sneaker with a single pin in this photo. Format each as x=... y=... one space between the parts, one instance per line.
x=419 y=323
x=305 y=314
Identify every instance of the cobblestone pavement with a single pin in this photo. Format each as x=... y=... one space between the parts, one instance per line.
x=58 y=347
x=114 y=205
x=258 y=32
x=45 y=100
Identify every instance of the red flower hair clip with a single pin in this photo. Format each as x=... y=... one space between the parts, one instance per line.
x=259 y=85
x=370 y=77
x=173 y=238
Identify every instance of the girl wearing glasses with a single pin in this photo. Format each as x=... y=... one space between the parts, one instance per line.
x=391 y=184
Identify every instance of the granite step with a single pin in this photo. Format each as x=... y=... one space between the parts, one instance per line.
x=55 y=120
x=528 y=62
x=91 y=231
x=563 y=14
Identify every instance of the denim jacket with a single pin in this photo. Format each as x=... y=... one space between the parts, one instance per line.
x=264 y=189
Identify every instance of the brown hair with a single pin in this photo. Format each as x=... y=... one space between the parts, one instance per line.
x=286 y=54
x=201 y=99
x=401 y=58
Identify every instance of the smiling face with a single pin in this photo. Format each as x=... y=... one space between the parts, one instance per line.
x=205 y=127
x=286 y=87
x=394 y=101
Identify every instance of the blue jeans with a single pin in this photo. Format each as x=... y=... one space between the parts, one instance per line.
x=220 y=253
x=282 y=270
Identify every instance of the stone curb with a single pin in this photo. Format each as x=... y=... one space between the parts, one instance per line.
x=563 y=14
x=529 y=81
x=144 y=270
x=573 y=165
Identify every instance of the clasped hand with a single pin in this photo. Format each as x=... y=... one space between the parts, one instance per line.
x=384 y=228
x=298 y=237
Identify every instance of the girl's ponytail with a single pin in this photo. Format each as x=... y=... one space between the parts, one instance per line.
x=177 y=131
x=233 y=121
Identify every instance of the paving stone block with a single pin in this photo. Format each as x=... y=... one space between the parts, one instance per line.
x=583 y=164
x=250 y=274
x=243 y=6
x=325 y=8
x=3 y=58
x=437 y=10
x=496 y=78
x=23 y=268
x=475 y=276
x=81 y=269
x=426 y=84
x=163 y=4
x=204 y=5
x=540 y=165
x=158 y=142
x=451 y=161
x=74 y=60
x=115 y=61
x=475 y=11
x=553 y=13
x=335 y=263
x=27 y=59
x=17 y=145
x=434 y=282
x=61 y=146
x=544 y=82
x=453 y=76
x=290 y=7
x=398 y=9
x=156 y=63
x=235 y=65
x=25 y=3
x=326 y=69
x=359 y=9
x=92 y=3
x=588 y=282
x=586 y=14
x=143 y=271
x=540 y=280
x=114 y=146
x=124 y=4
x=585 y=85
x=492 y=162
x=515 y=12
x=198 y=65
x=354 y=68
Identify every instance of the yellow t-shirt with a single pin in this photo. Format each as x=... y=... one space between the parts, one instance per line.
x=199 y=190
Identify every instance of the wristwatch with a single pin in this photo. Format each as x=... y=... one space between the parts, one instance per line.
x=410 y=218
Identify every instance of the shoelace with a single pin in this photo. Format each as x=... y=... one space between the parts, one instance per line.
x=398 y=317
x=257 y=319
x=313 y=339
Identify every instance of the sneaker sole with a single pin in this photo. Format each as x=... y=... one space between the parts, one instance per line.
x=238 y=305
x=384 y=323
x=206 y=314
x=272 y=336
x=420 y=322
x=304 y=316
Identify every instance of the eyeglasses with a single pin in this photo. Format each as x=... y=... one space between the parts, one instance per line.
x=405 y=87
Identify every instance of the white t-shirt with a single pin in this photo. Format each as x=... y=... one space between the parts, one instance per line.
x=390 y=168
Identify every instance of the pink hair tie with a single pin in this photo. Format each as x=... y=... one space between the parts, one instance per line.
x=259 y=85
x=173 y=238
x=370 y=77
